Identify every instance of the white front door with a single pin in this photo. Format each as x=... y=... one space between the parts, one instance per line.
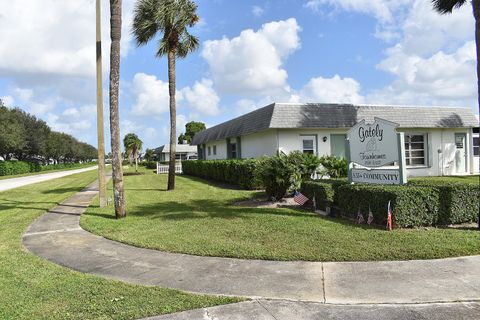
x=460 y=153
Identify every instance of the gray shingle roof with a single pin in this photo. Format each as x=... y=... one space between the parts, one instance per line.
x=179 y=148
x=319 y=115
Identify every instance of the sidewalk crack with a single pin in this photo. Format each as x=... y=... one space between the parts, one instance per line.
x=323 y=285
x=258 y=301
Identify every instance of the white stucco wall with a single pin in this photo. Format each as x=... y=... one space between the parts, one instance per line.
x=291 y=139
x=221 y=150
x=259 y=144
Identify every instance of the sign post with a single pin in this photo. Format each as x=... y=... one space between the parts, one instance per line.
x=372 y=147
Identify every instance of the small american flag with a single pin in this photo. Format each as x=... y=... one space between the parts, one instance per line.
x=360 y=219
x=299 y=198
x=370 y=216
x=389 y=218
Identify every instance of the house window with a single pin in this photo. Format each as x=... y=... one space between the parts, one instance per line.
x=476 y=146
x=415 y=149
x=209 y=150
x=308 y=144
x=233 y=150
x=214 y=150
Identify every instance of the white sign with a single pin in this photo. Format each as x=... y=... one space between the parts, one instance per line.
x=377 y=176
x=373 y=145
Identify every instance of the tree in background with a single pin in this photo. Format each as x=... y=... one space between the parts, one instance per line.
x=150 y=155
x=25 y=137
x=170 y=19
x=117 y=170
x=191 y=129
x=133 y=145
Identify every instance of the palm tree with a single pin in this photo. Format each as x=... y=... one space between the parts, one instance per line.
x=102 y=186
x=447 y=6
x=117 y=172
x=170 y=18
x=132 y=145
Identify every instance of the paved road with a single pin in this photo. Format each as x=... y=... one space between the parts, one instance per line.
x=12 y=183
x=288 y=310
x=58 y=237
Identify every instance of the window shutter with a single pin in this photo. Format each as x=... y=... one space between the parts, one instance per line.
x=229 y=149
x=239 y=148
x=430 y=149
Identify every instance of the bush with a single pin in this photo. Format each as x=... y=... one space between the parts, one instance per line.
x=236 y=172
x=277 y=175
x=324 y=191
x=306 y=163
x=149 y=164
x=333 y=167
x=8 y=168
x=459 y=202
x=412 y=206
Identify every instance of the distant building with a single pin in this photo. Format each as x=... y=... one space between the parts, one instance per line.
x=438 y=141
x=183 y=152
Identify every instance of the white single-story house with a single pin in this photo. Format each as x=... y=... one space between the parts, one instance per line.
x=183 y=152
x=438 y=140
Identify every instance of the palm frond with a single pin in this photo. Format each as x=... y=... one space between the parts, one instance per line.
x=145 y=25
x=447 y=6
x=187 y=43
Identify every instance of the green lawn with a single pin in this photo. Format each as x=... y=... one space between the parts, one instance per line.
x=198 y=218
x=33 y=288
x=473 y=179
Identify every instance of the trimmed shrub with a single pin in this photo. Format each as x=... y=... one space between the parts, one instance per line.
x=8 y=168
x=236 y=172
x=325 y=191
x=149 y=164
x=412 y=206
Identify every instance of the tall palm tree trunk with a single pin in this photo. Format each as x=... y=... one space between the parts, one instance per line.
x=476 y=14
x=117 y=172
x=102 y=186
x=173 y=118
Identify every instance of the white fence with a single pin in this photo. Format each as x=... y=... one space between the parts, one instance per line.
x=163 y=168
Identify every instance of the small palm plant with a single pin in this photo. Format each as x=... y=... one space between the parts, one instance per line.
x=132 y=145
x=169 y=19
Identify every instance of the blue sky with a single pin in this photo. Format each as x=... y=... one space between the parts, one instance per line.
x=252 y=53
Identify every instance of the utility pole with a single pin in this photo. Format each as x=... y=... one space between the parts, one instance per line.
x=101 y=140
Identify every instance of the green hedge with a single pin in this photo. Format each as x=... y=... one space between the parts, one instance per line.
x=8 y=168
x=412 y=206
x=236 y=172
x=420 y=203
x=325 y=191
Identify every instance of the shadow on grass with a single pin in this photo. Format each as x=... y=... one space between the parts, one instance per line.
x=6 y=204
x=63 y=190
x=212 y=183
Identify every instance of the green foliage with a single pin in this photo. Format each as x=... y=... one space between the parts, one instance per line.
x=325 y=191
x=24 y=137
x=149 y=164
x=191 y=128
x=150 y=155
x=333 y=167
x=306 y=163
x=235 y=172
x=414 y=205
x=277 y=175
x=8 y=168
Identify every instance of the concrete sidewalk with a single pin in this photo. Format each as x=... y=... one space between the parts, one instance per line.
x=58 y=237
x=7 y=184
x=288 y=310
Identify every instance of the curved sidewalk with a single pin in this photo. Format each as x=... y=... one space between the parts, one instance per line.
x=12 y=183
x=58 y=237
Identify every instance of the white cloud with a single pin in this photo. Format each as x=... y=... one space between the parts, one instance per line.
x=331 y=90
x=54 y=37
x=151 y=94
x=257 y=11
x=434 y=60
x=383 y=10
x=8 y=100
x=202 y=97
x=252 y=63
